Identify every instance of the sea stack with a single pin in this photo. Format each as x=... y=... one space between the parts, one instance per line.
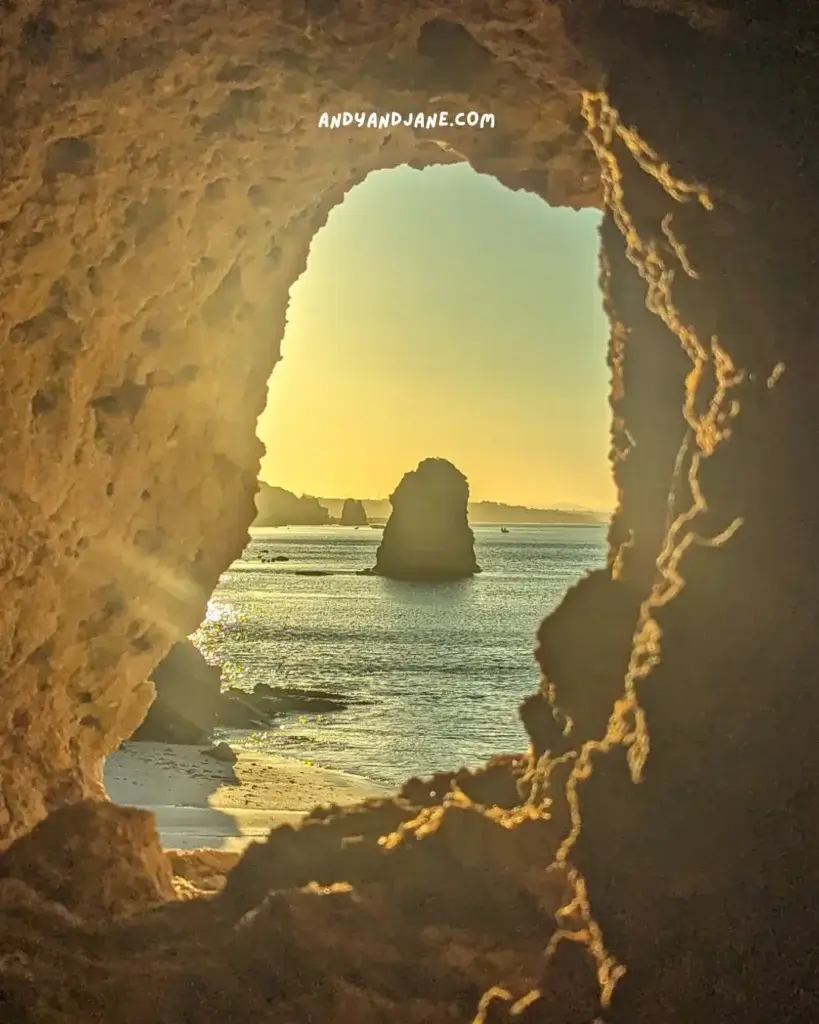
x=353 y=513
x=427 y=536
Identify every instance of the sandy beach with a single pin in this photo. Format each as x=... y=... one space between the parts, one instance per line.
x=202 y=802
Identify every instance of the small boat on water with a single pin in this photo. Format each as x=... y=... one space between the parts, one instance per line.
x=504 y=530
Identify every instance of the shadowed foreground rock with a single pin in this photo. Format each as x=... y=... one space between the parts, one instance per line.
x=326 y=921
x=428 y=536
x=96 y=859
x=186 y=706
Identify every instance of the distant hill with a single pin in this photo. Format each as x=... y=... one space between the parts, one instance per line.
x=484 y=512
x=277 y=507
x=496 y=512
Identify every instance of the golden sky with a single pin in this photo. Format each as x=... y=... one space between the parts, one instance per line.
x=443 y=315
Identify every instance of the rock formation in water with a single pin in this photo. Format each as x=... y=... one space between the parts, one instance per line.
x=427 y=536
x=163 y=171
x=187 y=698
x=353 y=513
x=260 y=707
x=278 y=507
x=190 y=701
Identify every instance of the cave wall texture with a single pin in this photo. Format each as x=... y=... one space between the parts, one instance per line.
x=161 y=177
x=158 y=199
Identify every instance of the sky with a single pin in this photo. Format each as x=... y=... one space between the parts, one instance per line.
x=441 y=314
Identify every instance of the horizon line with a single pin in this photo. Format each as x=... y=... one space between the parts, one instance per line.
x=566 y=506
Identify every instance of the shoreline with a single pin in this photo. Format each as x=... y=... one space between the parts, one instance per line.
x=201 y=802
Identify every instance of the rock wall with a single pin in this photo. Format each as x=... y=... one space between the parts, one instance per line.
x=142 y=297
x=702 y=877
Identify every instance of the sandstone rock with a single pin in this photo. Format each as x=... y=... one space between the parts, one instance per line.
x=427 y=536
x=187 y=698
x=353 y=513
x=95 y=858
x=222 y=752
x=494 y=785
x=588 y=677
x=203 y=870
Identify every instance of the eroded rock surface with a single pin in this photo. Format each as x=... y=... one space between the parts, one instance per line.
x=96 y=859
x=323 y=919
x=428 y=536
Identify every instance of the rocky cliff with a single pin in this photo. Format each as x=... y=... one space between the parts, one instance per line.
x=278 y=507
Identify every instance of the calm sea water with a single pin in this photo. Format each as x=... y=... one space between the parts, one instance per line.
x=440 y=669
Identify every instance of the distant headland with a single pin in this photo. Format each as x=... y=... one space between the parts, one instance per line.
x=279 y=507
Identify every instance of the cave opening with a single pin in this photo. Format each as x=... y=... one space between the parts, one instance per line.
x=440 y=314
x=130 y=463
x=197 y=266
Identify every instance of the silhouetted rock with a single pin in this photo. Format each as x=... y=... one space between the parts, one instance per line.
x=94 y=858
x=278 y=507
x=187 y=698
x=295 y=698
x=427 y=536
x=259 y=708
x=353 y=513
x=239 y=710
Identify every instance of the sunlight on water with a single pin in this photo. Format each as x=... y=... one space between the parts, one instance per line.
x=432 y=674
x=218 y=612
x=221 y=620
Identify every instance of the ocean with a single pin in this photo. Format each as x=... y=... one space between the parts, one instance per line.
x=434 y=673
